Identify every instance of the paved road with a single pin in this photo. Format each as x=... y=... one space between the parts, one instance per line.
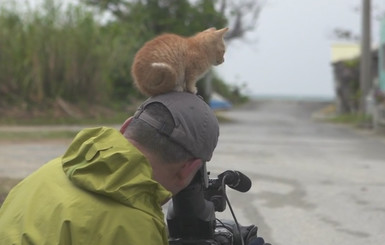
x=313 y=183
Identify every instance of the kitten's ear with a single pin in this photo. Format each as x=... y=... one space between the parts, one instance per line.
x=222 y=31
x=210 y=29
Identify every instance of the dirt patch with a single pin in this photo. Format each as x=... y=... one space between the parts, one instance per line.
x=60 y=111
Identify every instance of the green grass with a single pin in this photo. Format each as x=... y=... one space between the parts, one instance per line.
x=351 y=119
x=57 y=51
x=117 y=118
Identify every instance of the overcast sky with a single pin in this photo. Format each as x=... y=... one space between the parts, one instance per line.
x=289 y=52
x=291 y=56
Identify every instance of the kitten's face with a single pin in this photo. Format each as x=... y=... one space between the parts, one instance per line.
x=217 y=44
x=220 y=53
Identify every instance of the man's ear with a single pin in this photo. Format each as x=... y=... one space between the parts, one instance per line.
x=188 y=171
x=125 y=124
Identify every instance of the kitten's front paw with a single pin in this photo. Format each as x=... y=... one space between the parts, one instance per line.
x=192 y=90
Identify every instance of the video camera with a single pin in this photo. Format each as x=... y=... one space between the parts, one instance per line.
x=191 y=214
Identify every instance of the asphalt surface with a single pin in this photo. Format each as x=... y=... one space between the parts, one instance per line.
x=313 y=182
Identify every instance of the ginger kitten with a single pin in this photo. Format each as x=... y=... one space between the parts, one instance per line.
x=171 y=62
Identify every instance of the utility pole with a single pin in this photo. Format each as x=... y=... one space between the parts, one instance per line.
x=365 y=62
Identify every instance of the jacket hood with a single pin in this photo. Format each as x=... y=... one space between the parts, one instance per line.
x=102 y=161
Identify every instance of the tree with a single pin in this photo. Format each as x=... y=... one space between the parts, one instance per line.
x=183 y=16
x=241 y=15
x=344 y=34
x=366 y=70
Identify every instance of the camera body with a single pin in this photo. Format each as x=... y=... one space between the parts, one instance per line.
x=191 y=214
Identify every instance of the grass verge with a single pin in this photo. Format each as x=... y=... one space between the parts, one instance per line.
x=351 y=119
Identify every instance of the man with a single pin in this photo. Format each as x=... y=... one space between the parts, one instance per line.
x=109 y=186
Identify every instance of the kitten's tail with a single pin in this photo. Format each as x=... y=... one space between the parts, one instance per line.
x=157 y=78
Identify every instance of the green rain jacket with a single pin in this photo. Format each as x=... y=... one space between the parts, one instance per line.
x=99 y=192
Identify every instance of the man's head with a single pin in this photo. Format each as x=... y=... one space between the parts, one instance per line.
x=178 y=130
